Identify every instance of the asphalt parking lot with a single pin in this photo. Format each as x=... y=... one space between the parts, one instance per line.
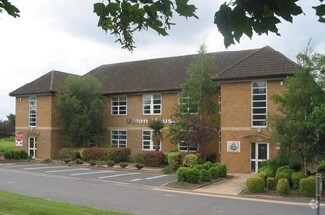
x=102 y=174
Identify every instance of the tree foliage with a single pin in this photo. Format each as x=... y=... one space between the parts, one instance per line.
x=7 y=127
x=79 y=109
x=300 y=130
x=233 y=19
x=156 y=125
x=194 y=116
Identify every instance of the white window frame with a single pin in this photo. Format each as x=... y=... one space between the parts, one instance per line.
x=32 y=118
x=186 y=148
x=32 y=148
x=256 y=159
x=119 y=106
x=148 y=100
x=148 y=139
x=256 y=108
x=119 y=140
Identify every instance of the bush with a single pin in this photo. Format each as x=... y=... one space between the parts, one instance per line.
x=193 y=176
x=182 y=173
x=47 y=161
x=214 y=172
x=167 y=170
x=174 y=160
x=321 y=167
x=69 y=153
x=92 y=162
x=115 y=154
x=282 y=175
x=207 y=165
x=255 y=184
x=262 y=175
x=282 y=187
x=123 y=164
x=190 y=160
x=270 y=183
x=267 y=170
x=23 y=154
x=16 y=155
x=110 y=163
x=153 y=159
x=222 y=170
x=139 y=165
x=198 y=166
x=100 y=163
x=205 y=175
x=296 y=177
x=9 y=154
x=307 y=186
x=285 y=168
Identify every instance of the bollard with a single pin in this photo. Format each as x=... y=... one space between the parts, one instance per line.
x=318 y=189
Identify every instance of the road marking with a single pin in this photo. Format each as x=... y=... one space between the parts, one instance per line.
x=158 y=176
x=45 y=167
x=89 y=173
x=138 y=179
x=112 y=176
x=67 y=170
x=26 y=165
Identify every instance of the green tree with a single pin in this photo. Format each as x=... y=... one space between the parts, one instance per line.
x=11 y=118
x=79 y=109
x=300 y=129
x=156 y=125
x=233 y=19
x=194 y=116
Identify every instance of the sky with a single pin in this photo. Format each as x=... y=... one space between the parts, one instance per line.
x=63 y=35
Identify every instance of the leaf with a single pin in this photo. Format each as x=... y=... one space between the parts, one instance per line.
x=11 y=9
x=99 y=9
x=184 y=9
x=320 y=11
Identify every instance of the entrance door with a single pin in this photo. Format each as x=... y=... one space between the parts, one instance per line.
x=259 y=153
x=32 y=146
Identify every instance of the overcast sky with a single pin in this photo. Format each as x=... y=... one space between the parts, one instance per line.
x=63 y=35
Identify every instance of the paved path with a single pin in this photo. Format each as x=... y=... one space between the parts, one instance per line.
x=231 y=186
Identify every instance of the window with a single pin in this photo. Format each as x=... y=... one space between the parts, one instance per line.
x=147 y=143
x=187 y=146
x=187 y=106
x=152 y=104
x=119 y=138
x=259 y=90
x=119 y=105
x=32 y=111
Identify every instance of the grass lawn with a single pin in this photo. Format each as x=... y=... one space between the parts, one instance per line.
x=14 y=204
x=7 y=144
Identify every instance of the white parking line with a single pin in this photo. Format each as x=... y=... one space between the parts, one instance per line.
x=45 y=167
x=158 y=176
x=67 y=170
x=24 y=165
x=138 y=179
x=112 y=176
x=89 y=173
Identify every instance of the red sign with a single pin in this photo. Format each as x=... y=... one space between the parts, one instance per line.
x=19 y=138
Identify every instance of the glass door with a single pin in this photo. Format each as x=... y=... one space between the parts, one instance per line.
x=32 y=146
x=259 y=154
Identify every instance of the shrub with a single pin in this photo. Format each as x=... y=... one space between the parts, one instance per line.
x=116 y=154
x=190 y=160
x=47 y=161
x=139 y=165
x=174 y=160
x=307 y=186
x=214 y=172
x=182 y=173
x=100 y=163
x=205 y=175
x=153 y=159
x=255 y=184
x=167 y=170
x=207 y=165
x=198 y=166
x=110 y=163
x=92 y=162
x=222 y=170
x=267 y=170
x=295 y=178
x=123 y=164
x=16 y=155
x=193 y=176
x=8 y=155
x=282 y=187
x=270 y=183
x=23 y=154
x=262 y=175
x=69 y=153
x=321 y=167
x=281 y=175
x=283 y=168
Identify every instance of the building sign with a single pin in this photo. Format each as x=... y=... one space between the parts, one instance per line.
x=233 y=146
x=146 y=121
x=19 y=139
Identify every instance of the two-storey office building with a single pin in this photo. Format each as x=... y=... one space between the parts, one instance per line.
x=135 y=92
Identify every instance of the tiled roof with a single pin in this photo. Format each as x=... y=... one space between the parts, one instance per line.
x=167 y=74
x=51 y=82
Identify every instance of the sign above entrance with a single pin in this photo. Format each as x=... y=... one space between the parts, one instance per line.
x=233 y=146
x=146 y=121
x=19 y=139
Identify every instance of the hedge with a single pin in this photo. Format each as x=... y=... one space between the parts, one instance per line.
x=69 y=153
x=116 y=154
x=283 y=187
x=296 y=177
x=186 y=174
x=307 y=186
x=214 y=172
x=255 y=184
x=152 y=159
x=190 y=160
x=20 y=154
x=205 y=175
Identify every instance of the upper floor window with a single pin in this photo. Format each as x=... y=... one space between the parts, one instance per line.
x=187 y=105
x=32 y=111
x=119 y=105
x=259 y=103
x=119 y=138
x=152 y=104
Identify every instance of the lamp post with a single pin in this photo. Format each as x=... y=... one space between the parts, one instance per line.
x=318 y=191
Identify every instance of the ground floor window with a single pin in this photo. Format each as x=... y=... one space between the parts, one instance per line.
x=259 y=154
x=32 y=146
x=147 y=143
x=187 y=146
x=119 y=138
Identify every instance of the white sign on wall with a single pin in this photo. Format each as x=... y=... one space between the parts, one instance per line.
x=19 y=139
x=233 y=146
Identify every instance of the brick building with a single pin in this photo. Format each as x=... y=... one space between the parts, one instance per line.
x=135 y=92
